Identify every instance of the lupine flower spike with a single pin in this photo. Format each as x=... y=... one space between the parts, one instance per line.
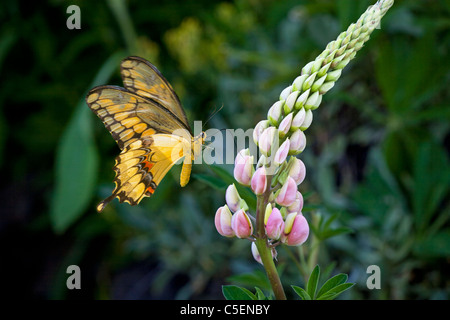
x=281 y=138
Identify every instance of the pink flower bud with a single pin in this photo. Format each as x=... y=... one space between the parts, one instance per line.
x=274 y=113
x=222 y=220
x=275 y=224
x=259 y=181
x=267 y=139
x=297 y=205
x=232 y=198
x=287 y=194
x=257 y=256
x=243 y=167
x=255 y=253
x=297 y=170
x=259 y=128
x=241 y=224
x=285 y=125
x=282 y=153
x=298 y=232
x=298 y=142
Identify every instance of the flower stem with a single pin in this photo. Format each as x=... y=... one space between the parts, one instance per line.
x=263 y=248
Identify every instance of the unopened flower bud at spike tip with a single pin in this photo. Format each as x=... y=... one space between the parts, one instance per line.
x=274 y=114
x=298 y=119
x=285 y=125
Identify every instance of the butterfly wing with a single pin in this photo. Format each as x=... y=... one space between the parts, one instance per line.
x=129 y=117
x=142 y=165
x=150 y=127
x=142 y=78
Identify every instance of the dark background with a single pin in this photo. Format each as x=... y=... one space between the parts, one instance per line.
x=377 y=156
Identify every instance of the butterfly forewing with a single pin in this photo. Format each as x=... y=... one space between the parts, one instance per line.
x=141 y=77
x=129 y=117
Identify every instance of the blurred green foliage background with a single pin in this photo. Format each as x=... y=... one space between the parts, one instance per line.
x=377 y=156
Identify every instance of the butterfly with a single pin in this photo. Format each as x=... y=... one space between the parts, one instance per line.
x=146 y=119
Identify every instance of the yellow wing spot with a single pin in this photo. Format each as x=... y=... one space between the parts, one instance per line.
x=131 y=122
x=119 y=108
x=107 y=102
x=148 y=132
x=120 y=116
x=117 y=127
x=95 y=106
x=128 y=63
x=140 y=127
x=92 y=97
x=126 y=135
x=108 y=120
x=102 y=112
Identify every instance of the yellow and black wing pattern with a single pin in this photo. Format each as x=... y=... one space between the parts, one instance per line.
x=149 y=125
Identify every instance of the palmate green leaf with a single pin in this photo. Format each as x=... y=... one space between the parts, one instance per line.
x=77 y=160
x=313 y=281
x=301 y=293
x=231 y=292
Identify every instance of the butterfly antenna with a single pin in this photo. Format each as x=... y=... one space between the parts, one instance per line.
x=212 y=115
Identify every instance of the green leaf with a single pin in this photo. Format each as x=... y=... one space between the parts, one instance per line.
x=313 y=281
x=431 y=183
x=301 y=293
x=260 y=295
x=231 y=292
x=256 y=277
x=434 y=246
x=331 y=283
x=334 y=292
x=213 y=182
x=77 y=161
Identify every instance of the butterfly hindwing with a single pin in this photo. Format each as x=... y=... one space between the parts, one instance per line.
x=141 y=77
x=142 y=165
